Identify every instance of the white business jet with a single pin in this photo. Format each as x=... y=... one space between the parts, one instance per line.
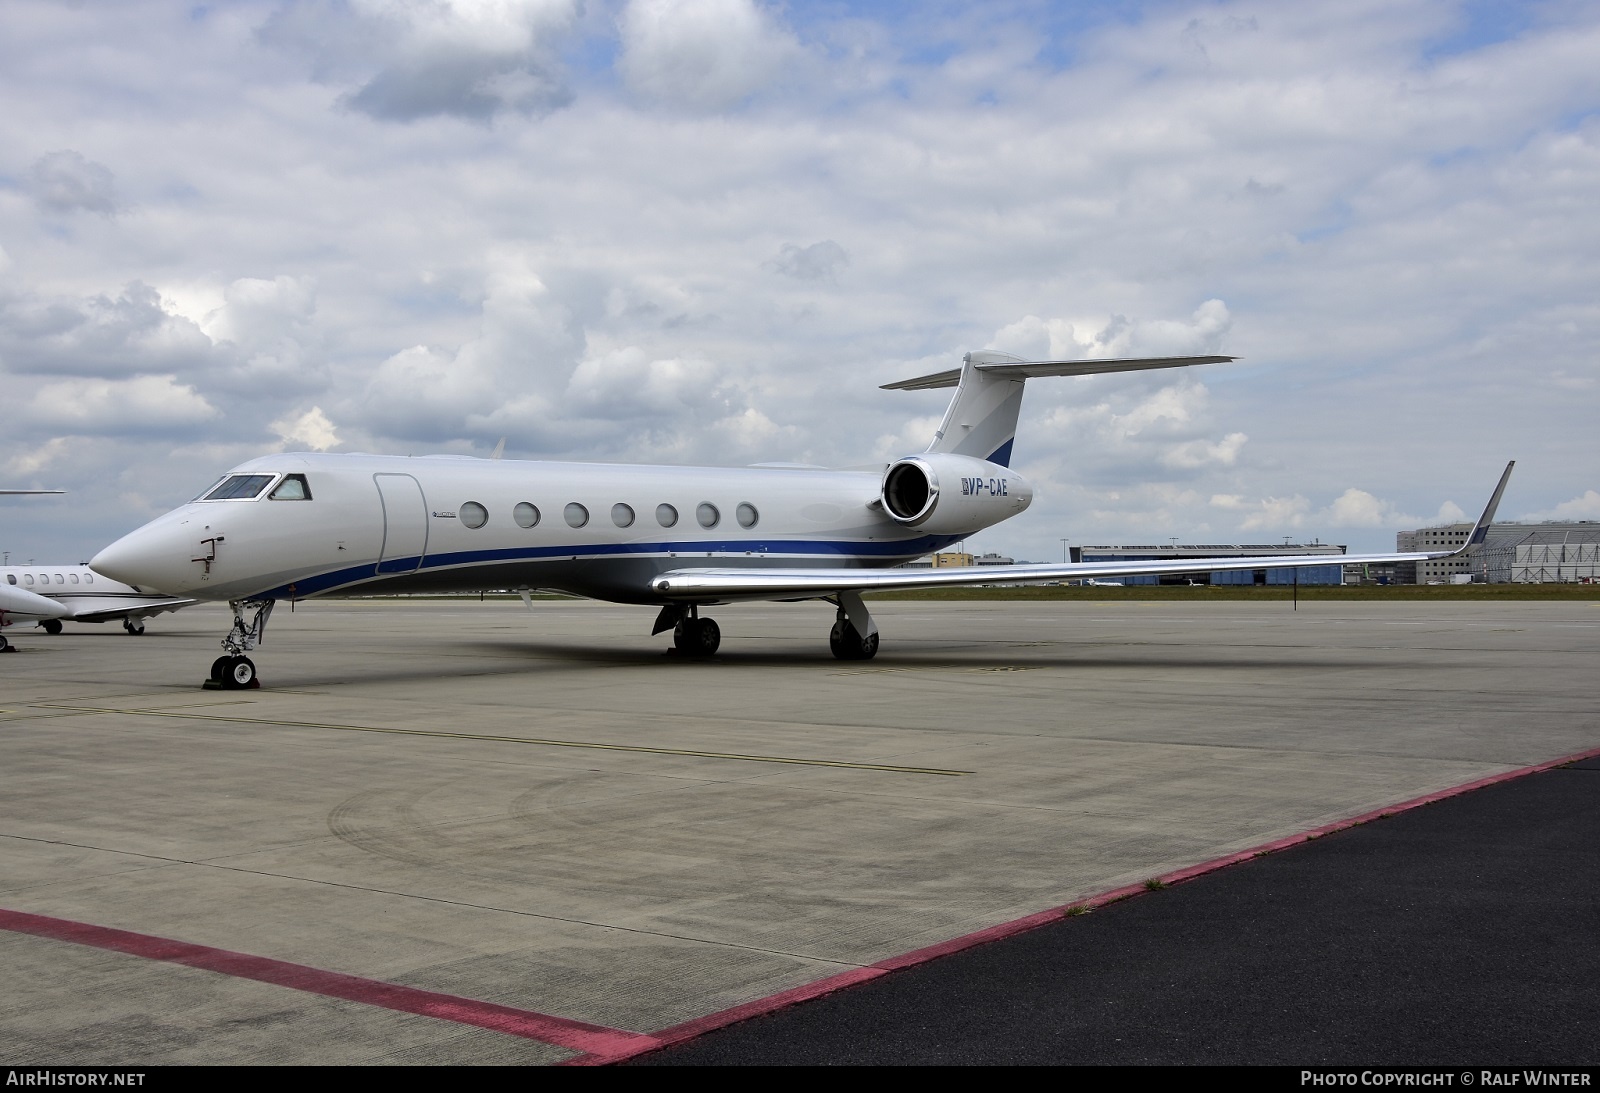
x=83 y=596
x=47 y=595
x=675 y=538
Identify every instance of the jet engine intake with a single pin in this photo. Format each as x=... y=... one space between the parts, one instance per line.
x=943 y=493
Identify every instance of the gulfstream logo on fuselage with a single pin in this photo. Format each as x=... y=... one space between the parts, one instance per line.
x=994 y=487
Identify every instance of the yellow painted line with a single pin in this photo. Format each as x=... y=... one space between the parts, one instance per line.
x=517 y=740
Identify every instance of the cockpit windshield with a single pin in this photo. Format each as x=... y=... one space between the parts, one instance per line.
x=239 y=487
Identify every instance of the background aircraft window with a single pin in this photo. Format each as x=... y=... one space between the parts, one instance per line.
x=622 y=515
x=73 y=577
x=707 y=514
x=88 y=578
x=666 y=515
x=473 y=514
x=526 y=515
x=747 y=514
x=292 y=488
x=576 y=515
x=60 y=579
x=239 y=486
x=11 y=577
x=28 y=578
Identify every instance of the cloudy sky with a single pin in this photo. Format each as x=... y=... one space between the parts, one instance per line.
x=707 y=230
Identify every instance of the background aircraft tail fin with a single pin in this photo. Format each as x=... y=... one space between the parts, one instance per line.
x=982 y=418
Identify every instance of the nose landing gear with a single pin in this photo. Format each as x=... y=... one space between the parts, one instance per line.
x=234 y=671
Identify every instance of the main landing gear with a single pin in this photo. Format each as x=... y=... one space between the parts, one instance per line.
x=692 y=636
x=854 y=635
x=234 y=671
x=51 y=626
x=134 y=628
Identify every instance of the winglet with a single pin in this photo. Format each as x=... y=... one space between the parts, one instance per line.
x=1481 y=529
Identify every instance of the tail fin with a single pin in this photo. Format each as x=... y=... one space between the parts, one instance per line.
x=982 y=418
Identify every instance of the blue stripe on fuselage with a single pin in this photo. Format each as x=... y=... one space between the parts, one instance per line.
x=690 y=553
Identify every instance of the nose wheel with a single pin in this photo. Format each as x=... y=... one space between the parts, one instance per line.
x=234 y=673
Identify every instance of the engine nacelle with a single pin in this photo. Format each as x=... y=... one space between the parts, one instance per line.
x=946 y=494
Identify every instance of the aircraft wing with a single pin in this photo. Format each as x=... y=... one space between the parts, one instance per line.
x=694 y=584
x=731 y=584
x=105 y=609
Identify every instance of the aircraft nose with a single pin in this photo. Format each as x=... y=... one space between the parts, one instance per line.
x=151 y=557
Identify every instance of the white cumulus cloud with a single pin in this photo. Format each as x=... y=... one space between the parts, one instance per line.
x=702 y=54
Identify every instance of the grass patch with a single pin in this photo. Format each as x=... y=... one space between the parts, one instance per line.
x=1075 y=910
x=1154 y=884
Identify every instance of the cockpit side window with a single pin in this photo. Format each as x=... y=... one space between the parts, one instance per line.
x=292 y=488
x=239 y=487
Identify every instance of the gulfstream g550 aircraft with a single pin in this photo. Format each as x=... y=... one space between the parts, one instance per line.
x=675 y=538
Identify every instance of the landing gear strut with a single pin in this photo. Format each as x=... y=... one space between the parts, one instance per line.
x=234 y=671
x=133 y=628
x=854 y=635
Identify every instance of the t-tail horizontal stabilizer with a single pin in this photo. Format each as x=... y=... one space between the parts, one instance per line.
x=982 y=419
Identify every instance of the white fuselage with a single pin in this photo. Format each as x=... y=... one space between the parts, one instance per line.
x=380 y=524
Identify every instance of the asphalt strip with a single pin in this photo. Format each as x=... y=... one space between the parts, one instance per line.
x=1462 y=929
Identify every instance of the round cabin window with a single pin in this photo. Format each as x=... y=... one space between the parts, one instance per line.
x=576 y=515
x=526 y=515
x=666 y=515
x=622 y=515
x=747 y=514
x=473 y=514
x=707 y=514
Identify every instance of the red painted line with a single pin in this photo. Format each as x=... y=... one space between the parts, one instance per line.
x=560 y=1031
x=690 y=1029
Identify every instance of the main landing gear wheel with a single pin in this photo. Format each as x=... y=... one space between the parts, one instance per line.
x=134 y=629
x=5 y=646
x=696 y=637
x=849 y=645
x=51 y=626
x=237 y=673
x=219 y=668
